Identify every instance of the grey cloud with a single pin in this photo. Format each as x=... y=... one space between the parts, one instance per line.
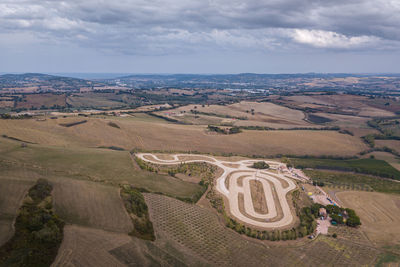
x=178 y=26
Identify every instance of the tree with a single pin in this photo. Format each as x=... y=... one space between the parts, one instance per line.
x=353 y=221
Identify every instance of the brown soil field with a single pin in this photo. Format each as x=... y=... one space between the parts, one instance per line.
x=243 y=211
x=91 y=204
x=83 y=246
x=39 y=100
x=344 y=120
x=173 y=137
x=6 y=104
x=394 y=144
x=359 y=132
x=379 y=214
x=258 y=197
x=265 y=114
x=94 y=247
x=357 y=104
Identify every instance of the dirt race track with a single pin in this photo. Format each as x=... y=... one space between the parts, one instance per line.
x=239 y=176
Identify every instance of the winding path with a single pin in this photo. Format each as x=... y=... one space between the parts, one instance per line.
x=270 y=181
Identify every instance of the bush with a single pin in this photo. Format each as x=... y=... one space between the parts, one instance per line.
x=136 y=206
x=113 y=124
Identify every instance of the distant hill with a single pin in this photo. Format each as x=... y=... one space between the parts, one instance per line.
x=37 y=82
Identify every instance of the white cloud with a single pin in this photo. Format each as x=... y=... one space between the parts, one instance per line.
x=329 y=39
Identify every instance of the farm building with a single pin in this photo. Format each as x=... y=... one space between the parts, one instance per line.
x=323 y=213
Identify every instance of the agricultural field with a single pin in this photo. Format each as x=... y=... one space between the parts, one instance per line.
x=146 y=135
x=388 y=157
x=239 y=114
x=106 y=157
x=95 y=100
x=198 y=230
x=369 y=166
x=394 y=144
x=342 y=104
x=337 y=180
x=12 y=193
x=41 y=101
x=379 y=214
x=97 y=165
x=90 y=204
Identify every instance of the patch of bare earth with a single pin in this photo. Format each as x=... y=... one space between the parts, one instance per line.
x=258 y=197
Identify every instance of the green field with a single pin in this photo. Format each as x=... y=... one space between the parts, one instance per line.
x=354 y=181
x=99 y=165
x=366 y=166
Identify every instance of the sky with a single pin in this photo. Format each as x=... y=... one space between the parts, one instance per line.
x=200 y=36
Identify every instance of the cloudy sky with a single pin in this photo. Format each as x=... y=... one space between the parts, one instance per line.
x=200 y=36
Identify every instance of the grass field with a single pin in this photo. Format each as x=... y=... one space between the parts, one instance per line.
x=100 y=165
x=379 y=213
x=388 y=157
x=353 y=181
x=367 y=166
x=172 y=137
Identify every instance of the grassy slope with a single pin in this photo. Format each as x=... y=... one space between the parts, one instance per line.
x=150 y=135
x=101 y=165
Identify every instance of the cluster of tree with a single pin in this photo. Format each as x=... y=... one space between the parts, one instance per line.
x=265 y=128
x=166 y=118
x=7 y=116
x=194 y=111
x=343 y=131
x=319 y=183
x=232 y=130
x=182 y=168
x=339 y=215
x=145 y=166
x=113 y=124
x=307 y=222
x=136 y=206
x=73 y=123
x=260 y=165
x=306 y=227
x=38 y=231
